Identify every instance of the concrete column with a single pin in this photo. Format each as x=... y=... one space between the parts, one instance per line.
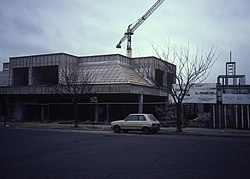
x=11 y=78
x=242 y=116
x=225 y=116
x=107 y=116
x=96 y=112
x=214 y=117
x=141 y=103
x=42 y=113
x=248 y=120
x=219 y=116
x=236 y=117
x=30 y=76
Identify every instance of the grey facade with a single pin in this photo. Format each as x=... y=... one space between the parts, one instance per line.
x=122 y=85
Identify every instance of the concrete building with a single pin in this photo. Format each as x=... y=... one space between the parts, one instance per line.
x=121 y=86
x=225 y=104
x=233 y=100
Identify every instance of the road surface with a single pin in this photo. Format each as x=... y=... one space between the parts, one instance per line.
x=41 y=153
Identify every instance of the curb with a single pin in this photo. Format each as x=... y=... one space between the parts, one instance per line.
x=209 y=134
x=206 y=134
x=163 y=131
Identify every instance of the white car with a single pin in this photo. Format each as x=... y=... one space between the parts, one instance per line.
x=147 y=123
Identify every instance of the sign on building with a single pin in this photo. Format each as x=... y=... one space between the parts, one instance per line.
x=236 y=98
x=201 y=93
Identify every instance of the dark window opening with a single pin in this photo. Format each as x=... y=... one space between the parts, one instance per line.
x=20 y=76
x=159 y=77
x=47 y=75
x=170 y=79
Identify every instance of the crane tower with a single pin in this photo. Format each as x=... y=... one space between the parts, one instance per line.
x=132 y=27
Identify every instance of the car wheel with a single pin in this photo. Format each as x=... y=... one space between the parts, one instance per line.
x=146 y=130
x=117 y=129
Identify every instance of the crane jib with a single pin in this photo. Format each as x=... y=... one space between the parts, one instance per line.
x=130 y=30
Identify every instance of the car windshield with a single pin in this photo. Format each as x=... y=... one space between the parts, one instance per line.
x=152 y=118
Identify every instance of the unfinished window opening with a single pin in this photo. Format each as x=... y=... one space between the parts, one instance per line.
x=170 y=79
x=20 y=76
x=159 y=77
x=46 y=75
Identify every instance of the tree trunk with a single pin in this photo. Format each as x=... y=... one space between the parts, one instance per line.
x=75 y=114
x=179 y=116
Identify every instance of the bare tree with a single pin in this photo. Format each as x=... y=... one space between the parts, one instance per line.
x=74 y=82
x=190 y=70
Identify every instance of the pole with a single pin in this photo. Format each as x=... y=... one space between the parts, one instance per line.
x=214 y=123
x=242 y=116
x=248 y=120
x=225 y=116
x=236 y=117
x=141 y=103
x=107 y=108
x=219 y=116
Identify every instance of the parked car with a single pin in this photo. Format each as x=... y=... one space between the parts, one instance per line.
x=146 y=123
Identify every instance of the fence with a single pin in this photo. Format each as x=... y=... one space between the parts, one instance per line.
x=101 y=112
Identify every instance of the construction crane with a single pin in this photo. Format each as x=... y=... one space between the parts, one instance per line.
x=132 y=27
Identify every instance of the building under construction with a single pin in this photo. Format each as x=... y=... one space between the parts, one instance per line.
x=120 y=86
x=225 y=104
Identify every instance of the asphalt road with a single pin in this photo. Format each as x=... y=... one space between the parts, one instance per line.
x=29 y=153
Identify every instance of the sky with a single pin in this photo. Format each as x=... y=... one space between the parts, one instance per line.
x=94 y=27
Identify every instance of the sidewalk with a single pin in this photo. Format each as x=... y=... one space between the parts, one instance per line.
x=209 y=132
x=55 y=125
x=102 y=127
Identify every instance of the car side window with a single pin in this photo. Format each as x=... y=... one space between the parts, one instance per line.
x=141 y=118
x=132 y=118
x=152 y=118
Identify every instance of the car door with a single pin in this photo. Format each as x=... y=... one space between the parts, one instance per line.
x=142 y=121
x=131 y=122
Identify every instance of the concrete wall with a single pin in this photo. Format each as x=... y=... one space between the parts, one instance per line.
x=32 y=62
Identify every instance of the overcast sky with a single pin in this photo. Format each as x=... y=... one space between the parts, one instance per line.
x=94 y=27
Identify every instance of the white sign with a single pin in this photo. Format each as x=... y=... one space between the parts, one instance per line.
x=236 y=98
x=201 y=93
